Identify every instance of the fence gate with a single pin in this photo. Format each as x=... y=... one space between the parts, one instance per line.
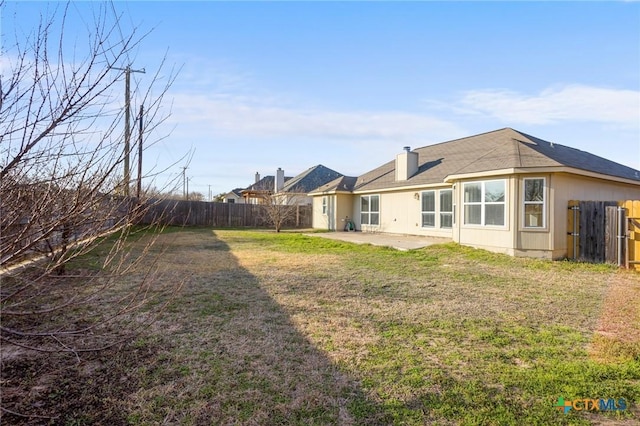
x=604 y=231
x=632 y=224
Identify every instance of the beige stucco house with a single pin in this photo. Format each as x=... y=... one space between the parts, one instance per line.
x=504 y=191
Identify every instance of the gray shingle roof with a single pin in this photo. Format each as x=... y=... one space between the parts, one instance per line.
x=267 y=183
x=237 y=191
x=310 y=179
x=341 y=184
x=500 y=149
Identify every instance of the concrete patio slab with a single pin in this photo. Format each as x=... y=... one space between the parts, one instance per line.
x=397 y=241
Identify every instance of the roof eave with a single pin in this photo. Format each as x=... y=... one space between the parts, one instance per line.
x=329 y=192
x=401 y=188
x=537 y=170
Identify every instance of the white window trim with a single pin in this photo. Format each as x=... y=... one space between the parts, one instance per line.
x=434 y=212
x=440 y=212
x=484 y=203
x=437 y=213
x=543 y=203
x=324 y=205
x=370 y=211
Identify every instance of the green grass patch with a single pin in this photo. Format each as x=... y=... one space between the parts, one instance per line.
x=286 y=328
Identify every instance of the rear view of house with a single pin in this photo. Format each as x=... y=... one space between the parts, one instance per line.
x=504 y=191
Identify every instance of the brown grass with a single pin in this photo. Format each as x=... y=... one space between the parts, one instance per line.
x=617 y=335
x=273 y=336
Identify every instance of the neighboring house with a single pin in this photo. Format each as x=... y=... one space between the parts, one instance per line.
x=293 y=190
x=263 y=187
x=298 y=188
x=504 y=191
x=234 y=196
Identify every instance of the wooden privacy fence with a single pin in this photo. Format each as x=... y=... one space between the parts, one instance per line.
x=604 y=231
x=219 y=215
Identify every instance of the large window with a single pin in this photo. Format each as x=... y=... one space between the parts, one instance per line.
x=429 y=209
x=437 y=209
x=534 y=203
x=484 y=203
x=370 y=210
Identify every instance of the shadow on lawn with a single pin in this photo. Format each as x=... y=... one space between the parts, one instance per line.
x=224 y=352
x=237 y=358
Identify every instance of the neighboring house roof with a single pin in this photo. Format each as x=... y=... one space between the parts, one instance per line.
x=310 y=179
x=497 y=150
x=237 y=192
x=267 y=183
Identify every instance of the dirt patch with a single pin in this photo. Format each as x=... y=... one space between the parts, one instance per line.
x=617 y=335
x=39 y=389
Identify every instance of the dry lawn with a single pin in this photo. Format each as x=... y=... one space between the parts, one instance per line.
x=286 y=329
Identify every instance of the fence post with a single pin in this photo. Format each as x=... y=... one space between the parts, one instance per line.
x=574 y=234
x=611 y=234
x=621 y=234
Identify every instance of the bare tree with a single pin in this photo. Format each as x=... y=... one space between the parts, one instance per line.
x=279 y=208
x=196 y=196
x=61 y=153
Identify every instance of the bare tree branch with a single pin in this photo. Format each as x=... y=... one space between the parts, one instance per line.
x=61 y=159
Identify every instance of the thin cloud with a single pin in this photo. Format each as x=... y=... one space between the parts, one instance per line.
x=244 y=116
x=569 y=103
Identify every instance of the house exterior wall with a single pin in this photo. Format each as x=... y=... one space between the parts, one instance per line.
x=339 y=209
x=232 y=196
x=344 y=210
x=320 y=220
x=498 y=239
x=565 y=187
x=533 y=242
x=549 y=241
x=401 y=213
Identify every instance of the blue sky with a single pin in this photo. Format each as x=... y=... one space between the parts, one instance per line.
x=348 y=84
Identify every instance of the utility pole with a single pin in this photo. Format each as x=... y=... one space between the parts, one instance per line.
x=209 y=192
x=139 y=188
x=127 y=124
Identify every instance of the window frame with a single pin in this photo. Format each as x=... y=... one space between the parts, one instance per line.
x=437 y=213
x=448 y=212
x=369 y=212
x=483 y=203
x=424 y=212
x=324 y=205
x=542 y=203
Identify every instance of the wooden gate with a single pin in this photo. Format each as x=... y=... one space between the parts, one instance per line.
x=604 y=231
